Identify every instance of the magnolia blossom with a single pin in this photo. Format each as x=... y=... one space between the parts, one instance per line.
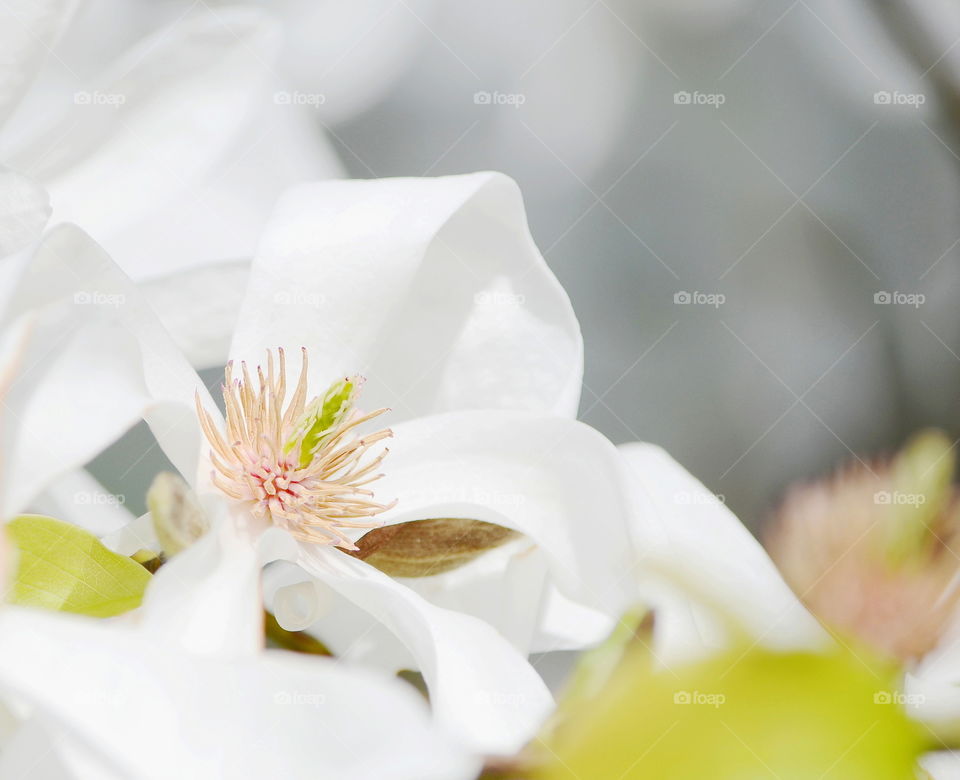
x=434 y=292
x=420 y=304
x=87 y=698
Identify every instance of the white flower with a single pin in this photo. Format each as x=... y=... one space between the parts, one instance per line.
x=175 y=152
x=87 y=698
x=434 y=291
x=183 y=112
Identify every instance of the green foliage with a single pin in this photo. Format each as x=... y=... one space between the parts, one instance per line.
x=746 y=713
x=62 y=567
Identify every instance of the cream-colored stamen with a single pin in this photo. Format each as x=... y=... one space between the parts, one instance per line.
x=292 y=472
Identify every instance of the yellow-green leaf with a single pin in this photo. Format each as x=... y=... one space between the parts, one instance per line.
x=748 y=712
x=422 y=548
x=62 y=567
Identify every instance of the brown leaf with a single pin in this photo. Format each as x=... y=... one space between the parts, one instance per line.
x=422 y=548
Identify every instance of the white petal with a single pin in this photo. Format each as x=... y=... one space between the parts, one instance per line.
x=78 y=497
x=350 y=633
x=355 y=51
x=207 y=598
x=173 y=145
x=28 y=31
x=95 y=346
x=504 y=588
x=24 y=210
x=942 y=765
x=44 y=435
x=708 y=556
x=200 y=322
x=567 y=625
x=156 y=713
x=616 y=528
x=510 y=589
x=933 y=688
x=481 y=689
x=34 y=752
x=224 y=206
x=432 y=288
x=136 y=535
x=556 y=480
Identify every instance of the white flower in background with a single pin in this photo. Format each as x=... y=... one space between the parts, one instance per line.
x=172 y=155
x=175 y=151
x=347 y=56
x=434 y=291
x=358 y=62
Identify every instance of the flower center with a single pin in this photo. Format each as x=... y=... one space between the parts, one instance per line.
x=276 y=483
x=298 y=465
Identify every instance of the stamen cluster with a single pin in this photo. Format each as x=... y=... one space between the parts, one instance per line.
x=302 y=466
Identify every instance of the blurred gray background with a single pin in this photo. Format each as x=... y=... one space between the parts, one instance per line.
x=790 y=168
x=799 y=198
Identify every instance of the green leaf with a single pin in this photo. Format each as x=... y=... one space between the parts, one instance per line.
x=422 y=548
x=321 y=416
x=62 y=567
x=748 y=712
